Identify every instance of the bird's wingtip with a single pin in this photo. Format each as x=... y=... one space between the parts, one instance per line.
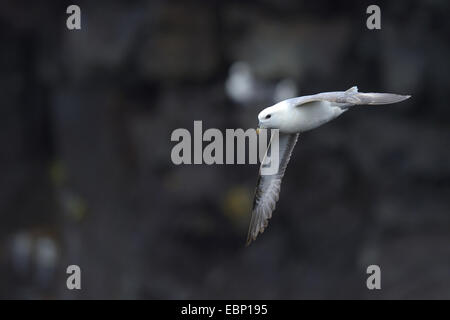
x=249 y=240
x=405 y=97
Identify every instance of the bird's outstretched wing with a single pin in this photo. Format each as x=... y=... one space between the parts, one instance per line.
x=268 y=187
x=350 y=97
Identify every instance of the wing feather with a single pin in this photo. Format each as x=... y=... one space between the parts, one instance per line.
x=350 y=97
x=268 y=188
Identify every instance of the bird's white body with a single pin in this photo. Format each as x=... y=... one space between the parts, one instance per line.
x=294 y=119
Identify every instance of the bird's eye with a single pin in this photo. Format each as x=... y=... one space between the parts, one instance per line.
x=268 y=116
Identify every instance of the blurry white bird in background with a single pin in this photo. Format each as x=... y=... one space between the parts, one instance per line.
x=244 y=88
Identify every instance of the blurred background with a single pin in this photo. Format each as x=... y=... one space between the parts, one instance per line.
x=86 y=176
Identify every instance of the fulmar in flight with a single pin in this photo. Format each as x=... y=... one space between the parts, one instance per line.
x=292 y=117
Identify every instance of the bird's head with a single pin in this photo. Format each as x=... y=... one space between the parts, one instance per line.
x=270 y=118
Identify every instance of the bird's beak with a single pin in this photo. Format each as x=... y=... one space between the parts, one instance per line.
x=259 y=127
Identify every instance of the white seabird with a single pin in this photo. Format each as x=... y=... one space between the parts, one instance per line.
x=292 y=117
